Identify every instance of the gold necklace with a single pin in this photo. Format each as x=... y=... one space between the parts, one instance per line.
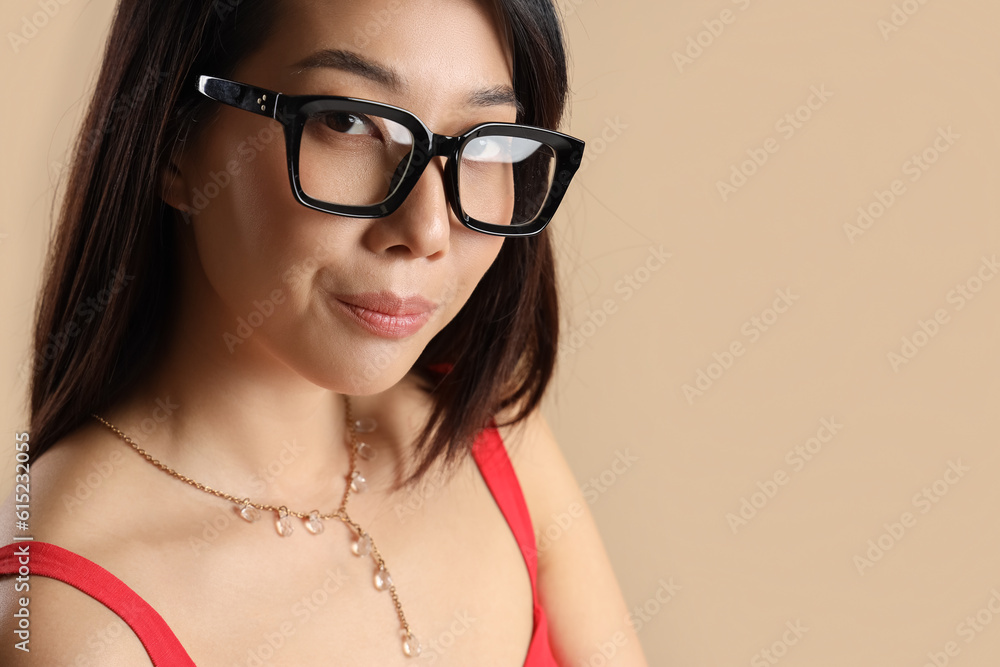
x=363 y=545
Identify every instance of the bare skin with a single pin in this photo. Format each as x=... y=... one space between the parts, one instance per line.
x=239 y=591
x=227 y=589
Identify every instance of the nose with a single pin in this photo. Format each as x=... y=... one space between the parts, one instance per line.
x=421 y=226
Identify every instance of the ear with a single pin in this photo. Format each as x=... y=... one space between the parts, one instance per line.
x=172 y=190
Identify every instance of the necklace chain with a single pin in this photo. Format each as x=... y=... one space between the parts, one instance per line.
x=363 y=544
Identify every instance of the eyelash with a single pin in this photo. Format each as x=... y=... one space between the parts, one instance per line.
x=346 y=114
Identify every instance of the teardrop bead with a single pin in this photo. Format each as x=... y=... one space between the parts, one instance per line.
x=411 y=645
x=366 y=451
x=382 y=579
x=283 y=524
x=362 y=546
x=365 y=425
x=249 y=513
x=358 y=482
x=314 y=524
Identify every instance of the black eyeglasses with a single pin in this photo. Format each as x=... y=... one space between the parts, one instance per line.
x=361 y=159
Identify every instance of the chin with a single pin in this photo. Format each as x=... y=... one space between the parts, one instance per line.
x=356 y=371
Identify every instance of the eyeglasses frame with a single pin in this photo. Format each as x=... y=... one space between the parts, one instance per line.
x=292 y=111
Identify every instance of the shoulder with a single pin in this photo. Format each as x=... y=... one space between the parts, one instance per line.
x=549 y=486
x=570 y=550
x=70 y=489
x=64 y=627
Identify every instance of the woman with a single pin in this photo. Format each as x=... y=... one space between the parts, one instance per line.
x=203 y=317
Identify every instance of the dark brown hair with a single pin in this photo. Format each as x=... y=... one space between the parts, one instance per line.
x=109 y=284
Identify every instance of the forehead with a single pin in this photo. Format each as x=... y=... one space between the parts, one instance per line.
x=428 y=48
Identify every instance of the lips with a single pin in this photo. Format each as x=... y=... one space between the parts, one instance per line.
x=388 y=303
x=386 y=314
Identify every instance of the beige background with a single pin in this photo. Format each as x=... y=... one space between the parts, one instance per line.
x=661 y=134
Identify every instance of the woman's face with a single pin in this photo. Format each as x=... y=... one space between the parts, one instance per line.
x=295 y=276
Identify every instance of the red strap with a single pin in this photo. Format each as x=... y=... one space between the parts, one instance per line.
x=495 y=466
x=48 y=560
x=498 y=472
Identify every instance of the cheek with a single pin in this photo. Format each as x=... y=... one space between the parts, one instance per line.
x=243 y=197
x=474 y=253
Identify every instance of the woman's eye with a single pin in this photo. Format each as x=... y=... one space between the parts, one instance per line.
x=482 y=149
x=349 y=123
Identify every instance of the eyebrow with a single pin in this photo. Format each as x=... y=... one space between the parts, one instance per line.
x=496 y=96
x=353 y=63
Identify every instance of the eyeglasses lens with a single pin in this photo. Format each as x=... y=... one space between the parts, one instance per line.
x=356 y=159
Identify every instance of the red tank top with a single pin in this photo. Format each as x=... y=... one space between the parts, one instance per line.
x=163 y=647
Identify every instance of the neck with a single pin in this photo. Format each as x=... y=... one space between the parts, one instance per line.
x=248 y=425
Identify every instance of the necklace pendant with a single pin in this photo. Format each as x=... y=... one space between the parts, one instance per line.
x=248 y=512
x=411 y=645
x=362 y=546
x=358 y=482
x=382 y=579
x=314 y=524
x=366 y=451
x=283 y=524
x=365 y=425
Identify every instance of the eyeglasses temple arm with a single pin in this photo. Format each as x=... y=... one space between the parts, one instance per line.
x=257 y=100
